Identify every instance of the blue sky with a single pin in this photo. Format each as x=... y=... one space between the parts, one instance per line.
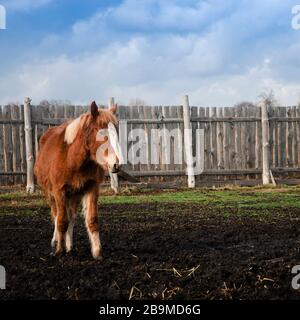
x=218 y=52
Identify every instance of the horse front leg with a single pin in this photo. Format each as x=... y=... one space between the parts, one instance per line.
x=92 y=221
x=61 y=222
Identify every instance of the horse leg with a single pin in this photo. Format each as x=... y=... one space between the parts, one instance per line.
x=72 y=212
x=52 y=205
x=92 y=221
x=54 y=219
x=61 y=222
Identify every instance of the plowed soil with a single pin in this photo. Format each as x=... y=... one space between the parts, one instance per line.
x=154 y=251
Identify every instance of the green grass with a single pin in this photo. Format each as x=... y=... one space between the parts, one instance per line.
x=243 y=199
x=219 y=198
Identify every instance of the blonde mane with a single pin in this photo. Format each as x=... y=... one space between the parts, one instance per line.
x=74 y=126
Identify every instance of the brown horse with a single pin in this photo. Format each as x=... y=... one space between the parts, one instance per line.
x=69 y=169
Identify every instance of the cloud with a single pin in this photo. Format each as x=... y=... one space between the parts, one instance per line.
x=158 y=50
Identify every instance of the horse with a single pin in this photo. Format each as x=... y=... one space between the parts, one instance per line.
x=69 y=169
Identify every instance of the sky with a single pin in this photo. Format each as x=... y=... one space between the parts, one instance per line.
x=218 y=52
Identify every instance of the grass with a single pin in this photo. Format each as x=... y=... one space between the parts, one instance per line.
x=244 y=199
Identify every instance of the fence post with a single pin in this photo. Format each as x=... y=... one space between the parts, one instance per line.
x=188 y=146
x=265 y=142
x=114 y=181
x=28 y=145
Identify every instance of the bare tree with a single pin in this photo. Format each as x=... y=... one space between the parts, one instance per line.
x=269 y=98
x=137 y=102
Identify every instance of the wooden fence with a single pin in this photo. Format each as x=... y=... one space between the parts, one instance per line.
x=239 y=143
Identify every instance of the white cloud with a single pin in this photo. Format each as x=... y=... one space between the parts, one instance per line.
x=158 y=50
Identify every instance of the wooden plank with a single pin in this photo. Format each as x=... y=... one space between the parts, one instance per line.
x=188 y=142
x=147 y=128
x=295 y=139
x=238 y=139
x=134 y=113
x=251 y=137
x=29 y=146
x=232 y=154
x=166 y=141
x=201 y=144
x=45 y=116
x=282 y=138
x=2 y=166
x=180 y=126
x=298 y=133
x=213 y=138
x=16 y=142
x=208 y=164
x=123 y=134
x=271 y=135
x=265 y=142
x=22 y=144
x=220 y=141
x=276 y=139
x=128 y=115
x=155 y=140
x=226 y=141
x=258 y=141
x=289 y=138
x=145 y=142
x=38 y=130
x=8 y=146
x=174 y=143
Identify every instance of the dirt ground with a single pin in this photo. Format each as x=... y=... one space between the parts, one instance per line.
x=153 y=250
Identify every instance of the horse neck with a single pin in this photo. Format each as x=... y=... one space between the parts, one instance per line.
x=77 y=153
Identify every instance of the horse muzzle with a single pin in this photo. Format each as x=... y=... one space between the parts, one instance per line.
x=115 y=168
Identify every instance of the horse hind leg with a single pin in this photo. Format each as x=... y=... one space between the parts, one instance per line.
x=52 y=205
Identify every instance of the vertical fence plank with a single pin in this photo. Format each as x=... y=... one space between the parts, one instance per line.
x=289 y=138
x=226 y=144
x=258 y=137
x=213 y=138
x=29 y=146
x=276 y=137
x=8 y=146
x=16 y=143
x=220 y=140
x=188 y=142
x=2 y=166
x=282 y=137
x=265 y=142
x=232 y=155
x=201 y=144
x=295 y=139
x=238 y=139
x=22 y=144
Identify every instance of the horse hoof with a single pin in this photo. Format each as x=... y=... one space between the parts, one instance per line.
x=97 y=255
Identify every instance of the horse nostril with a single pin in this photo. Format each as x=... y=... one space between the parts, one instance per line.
x=116 y=168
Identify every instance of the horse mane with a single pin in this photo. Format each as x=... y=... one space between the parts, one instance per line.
x=72 y=129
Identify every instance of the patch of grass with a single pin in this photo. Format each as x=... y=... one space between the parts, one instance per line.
x=216 y=198
x=231 y=200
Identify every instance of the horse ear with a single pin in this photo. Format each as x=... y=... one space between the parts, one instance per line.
x=94 y=109
x=114 y=109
